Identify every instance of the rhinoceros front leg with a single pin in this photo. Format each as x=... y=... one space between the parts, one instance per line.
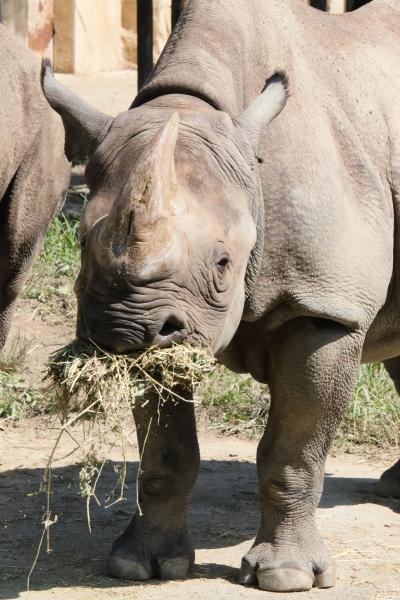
x=312 y=369
x=157 y=543
x=389 y=483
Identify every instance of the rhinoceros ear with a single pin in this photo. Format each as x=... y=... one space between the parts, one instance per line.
x=85 y=127
x=265 y=107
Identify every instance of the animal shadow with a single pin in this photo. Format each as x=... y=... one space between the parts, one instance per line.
x=224 y=512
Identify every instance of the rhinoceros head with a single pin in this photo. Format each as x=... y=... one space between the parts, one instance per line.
x=170 y=228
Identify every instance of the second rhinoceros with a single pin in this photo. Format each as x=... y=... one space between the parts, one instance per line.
x=228 y=213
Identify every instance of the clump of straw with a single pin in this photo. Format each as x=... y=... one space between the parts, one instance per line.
x=89 y=380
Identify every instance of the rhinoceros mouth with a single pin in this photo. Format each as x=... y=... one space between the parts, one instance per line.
x=122 y=338
x=125 y=326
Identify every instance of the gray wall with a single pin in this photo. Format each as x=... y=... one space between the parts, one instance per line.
x=14 y=14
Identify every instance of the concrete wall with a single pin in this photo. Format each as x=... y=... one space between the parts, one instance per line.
x=64 y=36
x=332 y=6
x=100 y=35
x=31 y=21
x=14 y=15
x=95 y=35
x=87 y=36
x=336 y=6
x=161 y=25
x=129 y=28
x=40 y=27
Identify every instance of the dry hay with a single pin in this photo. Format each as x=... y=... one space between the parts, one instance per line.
x=96 y=388
x=88 y=379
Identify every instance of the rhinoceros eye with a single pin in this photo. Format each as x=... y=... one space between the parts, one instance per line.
x=223 y=262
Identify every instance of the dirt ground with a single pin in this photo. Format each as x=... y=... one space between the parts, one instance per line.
x=361 y=529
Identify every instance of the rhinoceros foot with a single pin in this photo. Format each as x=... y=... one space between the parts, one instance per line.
x=389 y=483
x=287 y=569
x=138 y=556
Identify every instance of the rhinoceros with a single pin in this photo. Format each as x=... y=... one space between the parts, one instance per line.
x=34 y=171
x=248 y=202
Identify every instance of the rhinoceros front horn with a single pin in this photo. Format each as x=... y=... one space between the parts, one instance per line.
x=85 y=127
x=146 y=198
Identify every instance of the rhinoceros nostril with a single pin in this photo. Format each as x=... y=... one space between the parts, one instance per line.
x=171 y=325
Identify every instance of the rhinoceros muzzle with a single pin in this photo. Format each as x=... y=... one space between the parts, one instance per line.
x=121 y=328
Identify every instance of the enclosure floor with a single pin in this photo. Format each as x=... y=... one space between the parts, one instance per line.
x=361 y=530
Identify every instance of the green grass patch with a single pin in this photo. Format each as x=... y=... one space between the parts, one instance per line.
x=57 y=265
x=237 y=404
x=14 y=357
x=234 y=403
x=373 y=416
x=17 y=400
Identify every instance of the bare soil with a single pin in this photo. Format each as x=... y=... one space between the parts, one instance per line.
x=361 y=529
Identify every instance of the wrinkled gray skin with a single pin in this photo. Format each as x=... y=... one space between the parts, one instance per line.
x=34 y=171
x=272 y=240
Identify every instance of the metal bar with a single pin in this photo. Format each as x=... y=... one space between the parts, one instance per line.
x=321 y=4
x=144 y=40
x=354 y=4
x=177 y=7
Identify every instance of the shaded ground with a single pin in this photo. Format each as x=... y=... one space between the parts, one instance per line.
x=362 y=530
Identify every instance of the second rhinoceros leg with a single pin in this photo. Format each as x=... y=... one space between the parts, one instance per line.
x=312 y=369
x=157 y=543
x=389 y=483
